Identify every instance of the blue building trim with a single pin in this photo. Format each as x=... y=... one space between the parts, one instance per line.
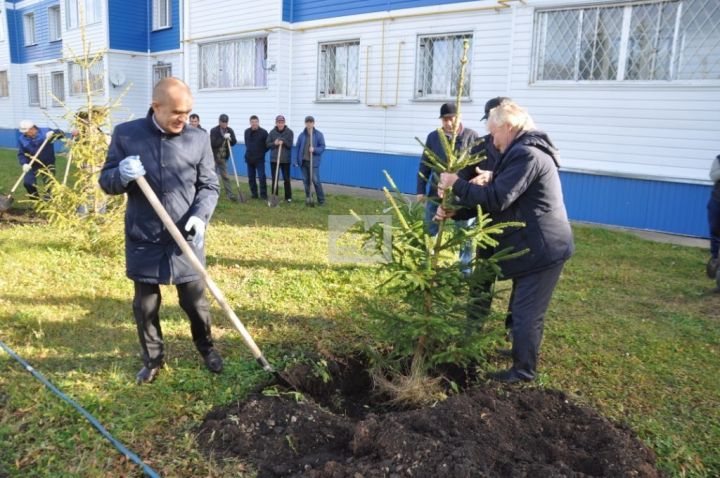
x=303 y=10
x=43 y=49
x=167 y=38
x=130 y=27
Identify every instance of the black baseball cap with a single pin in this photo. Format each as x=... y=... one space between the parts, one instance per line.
x=493 y=103
x=309 y=119
x=448 y=109
x=223 y=118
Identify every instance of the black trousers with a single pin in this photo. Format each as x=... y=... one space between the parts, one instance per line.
x=146 y=308
x=285 y=169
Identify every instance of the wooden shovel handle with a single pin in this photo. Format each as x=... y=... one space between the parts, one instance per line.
x=32 y=160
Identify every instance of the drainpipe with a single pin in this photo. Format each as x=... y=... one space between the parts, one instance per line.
x=185 y=33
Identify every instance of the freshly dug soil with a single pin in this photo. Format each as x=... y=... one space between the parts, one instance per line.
x=486 y=432
x=18 y=217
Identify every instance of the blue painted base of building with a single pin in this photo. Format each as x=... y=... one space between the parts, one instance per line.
x=677 y=208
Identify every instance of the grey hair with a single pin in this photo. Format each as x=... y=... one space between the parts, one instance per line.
x=511 y=114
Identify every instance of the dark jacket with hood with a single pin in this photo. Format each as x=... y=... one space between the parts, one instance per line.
x=180 y=169
x=287 y=136
x=466 y=137
x=525 y=187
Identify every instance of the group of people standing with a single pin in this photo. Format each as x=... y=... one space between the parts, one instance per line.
x=306 y=154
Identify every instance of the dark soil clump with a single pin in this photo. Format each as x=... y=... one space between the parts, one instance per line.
x=485 y=432
x=19 y=217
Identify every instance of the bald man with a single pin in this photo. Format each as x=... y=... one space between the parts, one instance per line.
x=178 y=164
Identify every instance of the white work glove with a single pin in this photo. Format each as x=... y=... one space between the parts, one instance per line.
x=227 y=135
x=199 y=236
x=26 y=167
x=130 y=169
x=50 y=134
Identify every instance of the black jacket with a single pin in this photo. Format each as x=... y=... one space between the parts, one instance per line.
x=219 y=143
x=287 y=136
x=467 y=137
x=255 y=145
x=525 y=187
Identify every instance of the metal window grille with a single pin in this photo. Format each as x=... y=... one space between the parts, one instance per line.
x=339 y=74
x=4 y=86
x=29 y=28
x=54 y=24
x=161 y=70
x=33 y=90
x=234 y=63
x=161 y=14
x=77 y=79
x=438 y=66
x=58 y=88
x=659 y=40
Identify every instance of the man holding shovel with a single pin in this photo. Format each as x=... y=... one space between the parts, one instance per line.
x=310 y=146
x=30 y=142
x=280 y=142
x=222 y=138
x=177 y=162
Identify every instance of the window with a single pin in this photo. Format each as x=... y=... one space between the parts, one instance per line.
x=33 y=90
x=4 y=86
x=29 y=28
x=161 y=70
x=2 y=23
x=54 y=25
x=77 y=81
x=438 y=66
x=161 y=14
x=58 y=88
x=338 y=70
x=90 y=10
x=234 y=63
x=662 y=40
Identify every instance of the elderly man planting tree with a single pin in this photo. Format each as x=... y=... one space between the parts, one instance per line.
x=525 y=186
x=177 y=162
x=30 y=142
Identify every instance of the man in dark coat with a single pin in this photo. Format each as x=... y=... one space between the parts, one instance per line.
x=195 y=122
x=29 y=142
x=255 y=149
x=525 y=187
x=222 y=138
x=177 y=162
x=304 y=151
x=281 y=137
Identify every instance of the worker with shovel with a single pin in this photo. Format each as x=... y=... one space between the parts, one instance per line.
x=222 y=138
x=176 y=160
x=280 y=142
x=310 y=147
x=31 y=142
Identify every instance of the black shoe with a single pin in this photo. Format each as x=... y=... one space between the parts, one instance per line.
x=264 y=198
x=712 y=267
x=504 y=352
x=147 y=375
x=509 y=376
x=213 y=361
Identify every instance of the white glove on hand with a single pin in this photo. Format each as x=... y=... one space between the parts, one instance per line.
x=130 y=169
x=50 y=134
x=199 y=236
x=26 y=167
x=227 y=135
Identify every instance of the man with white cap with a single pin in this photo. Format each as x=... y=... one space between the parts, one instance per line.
x=29 y=142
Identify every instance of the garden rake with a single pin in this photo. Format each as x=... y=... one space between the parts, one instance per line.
x=274 y=199
x=240 y=197
x=6 y=201
x=311 y=200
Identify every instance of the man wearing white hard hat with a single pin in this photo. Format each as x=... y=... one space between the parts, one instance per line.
x=29 y=142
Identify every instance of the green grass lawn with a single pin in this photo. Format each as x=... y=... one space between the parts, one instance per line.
x=633 y=330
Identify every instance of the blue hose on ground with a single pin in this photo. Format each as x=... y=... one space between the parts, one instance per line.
x=121 y=448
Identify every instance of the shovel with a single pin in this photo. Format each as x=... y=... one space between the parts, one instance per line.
x=214 y=290
x=6 y=201
x=311 y=199
x=241 y=196
x=274 y=199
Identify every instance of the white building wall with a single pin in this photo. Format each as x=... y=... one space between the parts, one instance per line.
x=7 y=110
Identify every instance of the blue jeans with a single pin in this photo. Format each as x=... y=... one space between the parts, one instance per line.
x=713 y=208
x=467 y=252
x=259 y=170
x=315 y=180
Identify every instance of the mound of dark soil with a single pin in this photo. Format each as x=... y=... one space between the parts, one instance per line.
x=19 y=217
x=485 y=432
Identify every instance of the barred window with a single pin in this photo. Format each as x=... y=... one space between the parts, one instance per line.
x=161 y=70
x=234 y=63
x=33 y=90
x=661 y=40
x=29 y=28
x=91 y=10
x=438 y=66
x=78 y=80
x=161 y=14
x=4 y=86
x=54 y=24
x=338 y=70
x=58 y=88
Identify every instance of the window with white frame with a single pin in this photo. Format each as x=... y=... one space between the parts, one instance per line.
x=2 y=23
x=161 y=14
x=90 y=10
x=29 y=28
x=234 y=63
x=338 y=70
x=78 y=82
x=58 y=88
x=161 y=70
x=33 y=83
x=438 y=66
x=54 y=24
x=653 y=41
x=4 y=85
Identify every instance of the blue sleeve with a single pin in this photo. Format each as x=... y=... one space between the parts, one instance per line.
x=22 y=159
x=320 y=148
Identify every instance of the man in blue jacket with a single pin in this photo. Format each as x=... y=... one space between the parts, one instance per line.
x=525 y=187
x=304 y=151
x=29 y=142
x=177 y=162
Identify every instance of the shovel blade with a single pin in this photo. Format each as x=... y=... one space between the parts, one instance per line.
x=274 y=201
x=6 y=202
x=241 y=198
